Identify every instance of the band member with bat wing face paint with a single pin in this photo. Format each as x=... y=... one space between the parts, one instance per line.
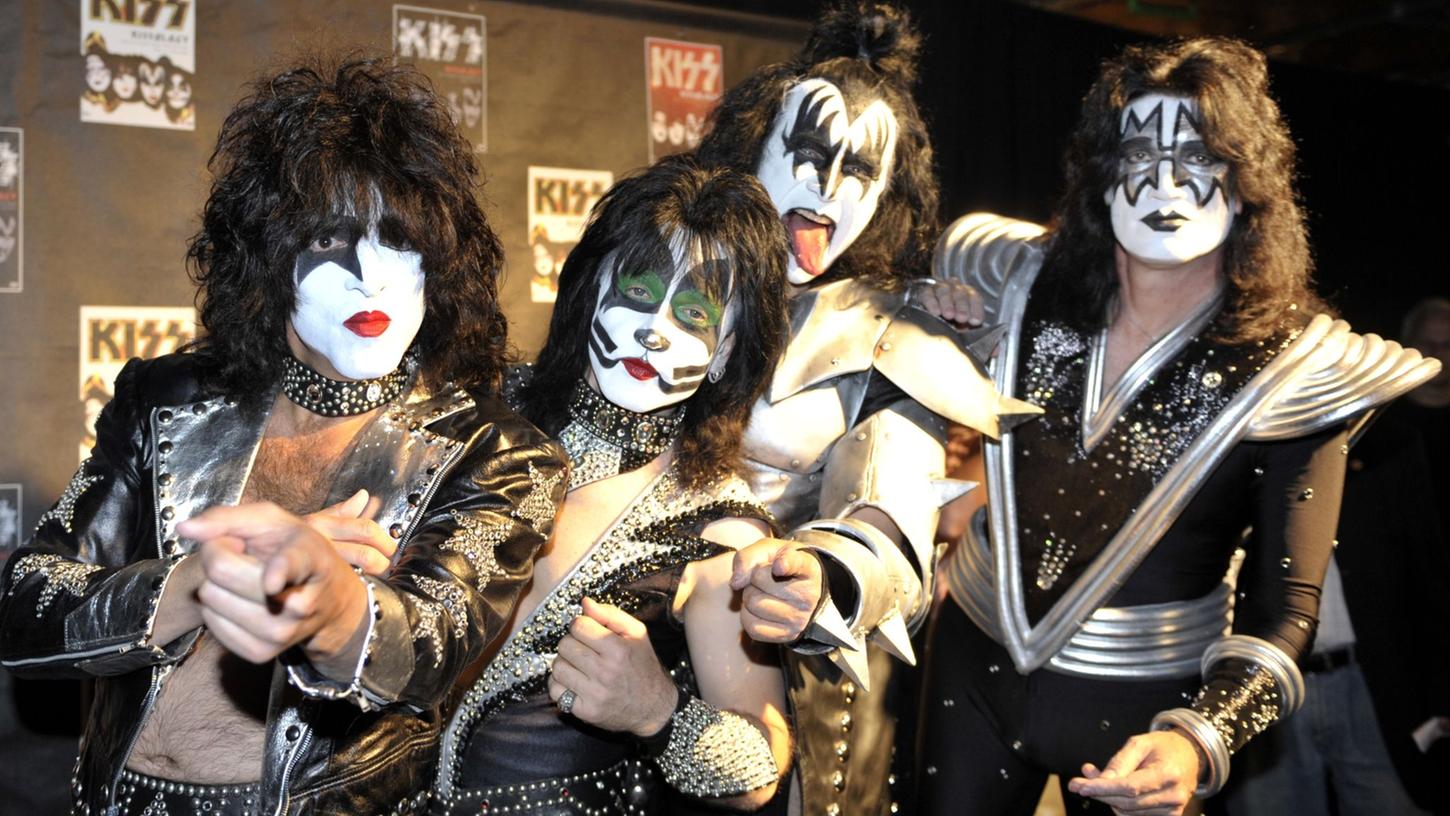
x=658 y=327
x=153 y=81
x=359 y=302
x=826 y=162
x=859 y=398
x=1171 y=202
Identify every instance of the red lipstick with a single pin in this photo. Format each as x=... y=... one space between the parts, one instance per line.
x=639 y=369
x=368 y=324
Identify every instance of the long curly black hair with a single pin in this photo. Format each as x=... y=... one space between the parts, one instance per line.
x=1266 y=259
x=855 y=44
x=355 y=135
x=725 y=215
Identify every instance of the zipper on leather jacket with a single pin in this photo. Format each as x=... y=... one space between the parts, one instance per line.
x=158 y=676
x=304 y=740
x=433 y=486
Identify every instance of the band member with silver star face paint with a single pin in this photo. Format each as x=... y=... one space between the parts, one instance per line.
x=1170 y=204
x=291 y=538
x=846 y=446
x=1193 y=389
x=627 y=652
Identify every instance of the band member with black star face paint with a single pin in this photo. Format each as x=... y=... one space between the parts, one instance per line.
x=628 y=648
x=294 y=535
x=846 y=448
x=359 y=301
x=826 y=162
x=1196 y=400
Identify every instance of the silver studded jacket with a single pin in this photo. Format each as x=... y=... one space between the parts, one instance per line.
x=654 y=538
x=468 y=488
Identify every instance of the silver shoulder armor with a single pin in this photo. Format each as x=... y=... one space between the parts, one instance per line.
x=983 y=250
x=1339 y=374
x=923 y=356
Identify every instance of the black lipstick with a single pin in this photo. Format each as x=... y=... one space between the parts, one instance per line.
x=1164 y=222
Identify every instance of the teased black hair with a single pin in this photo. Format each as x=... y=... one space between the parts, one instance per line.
x=1266 y=256
x=729 y=217
x=855 y=45
x=351 y=135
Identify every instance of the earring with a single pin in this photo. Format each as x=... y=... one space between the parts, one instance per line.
x=715 y=375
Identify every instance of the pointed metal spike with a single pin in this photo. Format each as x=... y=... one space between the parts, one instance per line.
x=981 y=342
x=1013 y=412
x=949 y=489
x=853 y=663
x=829 y=627
x=891 y=635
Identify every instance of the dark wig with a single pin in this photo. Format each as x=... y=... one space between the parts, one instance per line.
x=332 y=139
x=859 y=47
x=728 y=218
x=1266 y=256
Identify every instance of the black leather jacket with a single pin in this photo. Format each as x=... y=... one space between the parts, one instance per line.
x=467 y=486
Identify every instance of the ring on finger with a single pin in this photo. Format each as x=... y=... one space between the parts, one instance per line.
x=567 y=700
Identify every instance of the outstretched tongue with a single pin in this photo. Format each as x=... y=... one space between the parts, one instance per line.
x=808 y=240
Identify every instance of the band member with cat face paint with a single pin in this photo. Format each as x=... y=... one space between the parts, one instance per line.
x=627 y=651
x=338 y=413
x=655 y=332
x=846 y=446
x=1193 y=389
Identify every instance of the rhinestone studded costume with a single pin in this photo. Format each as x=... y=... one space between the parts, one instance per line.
x=506 y=741
x=1123 y=503
x=1065 y=519
x=466 y=488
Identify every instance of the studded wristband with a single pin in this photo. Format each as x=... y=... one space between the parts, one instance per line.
x=656 y=743
x=713 y=753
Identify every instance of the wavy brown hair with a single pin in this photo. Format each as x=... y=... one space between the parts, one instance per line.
x=727 y=216
x=866 y=49
x=1266 y=259
x=333 y=137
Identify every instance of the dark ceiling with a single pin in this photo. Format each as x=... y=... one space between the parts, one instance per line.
x=1405 y=40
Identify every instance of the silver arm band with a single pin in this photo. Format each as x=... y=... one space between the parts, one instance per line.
x=1209 y=741
x=1269 y=657
x=714 y=753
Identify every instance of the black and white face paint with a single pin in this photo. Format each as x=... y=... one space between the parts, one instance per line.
x=826 y=171
x=359 y=302
x=98 y=73
x=1170 y=203
x=153 y=83
x=657 y=330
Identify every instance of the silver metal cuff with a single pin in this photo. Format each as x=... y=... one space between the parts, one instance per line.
x=1273 y=660
x=314 y=684
x=714 y=753
x=1198 y=729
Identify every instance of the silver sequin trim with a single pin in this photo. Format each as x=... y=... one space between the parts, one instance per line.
x=64 y=510
x=715 y=753
x=477 y=541
x=61 y=575
x=537 y=508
